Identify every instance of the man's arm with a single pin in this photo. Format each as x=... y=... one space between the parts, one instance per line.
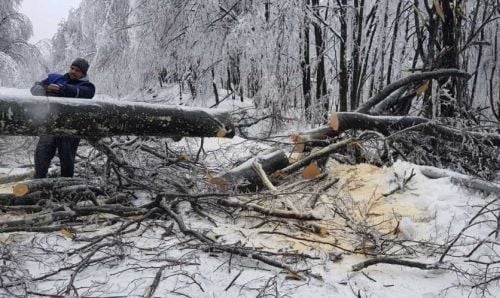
x=85 y=90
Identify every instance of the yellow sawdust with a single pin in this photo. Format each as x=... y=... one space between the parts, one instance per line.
x=366 y=185
x=361 y=187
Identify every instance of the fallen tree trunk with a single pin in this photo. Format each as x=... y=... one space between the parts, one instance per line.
x=435 y=74
x=312 y=157
x=24 y=114
x=461 y=179
x=30 y=186
x=342 y=121
x=244 y=177
x=16 y=177
x=7 y=199
x=306 y=140
x=351 y=120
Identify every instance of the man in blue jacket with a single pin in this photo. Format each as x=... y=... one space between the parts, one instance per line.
x=75 y=83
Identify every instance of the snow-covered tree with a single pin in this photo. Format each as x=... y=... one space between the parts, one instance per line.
x=20 y=62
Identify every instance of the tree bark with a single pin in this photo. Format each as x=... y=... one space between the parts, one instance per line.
x=23 y=188
x=370 y=103
x=244 y=177
x=321 y=136
x=321 y=89
x=306 y=68
x=384 y=124
x=449 y=59
x=34 y=115
x=356 y=66
x=393 y=44
x=351 y=120
x=343 y=75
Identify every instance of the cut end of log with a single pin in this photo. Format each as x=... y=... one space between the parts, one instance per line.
x=221 y=133
x=334 y=122
x=311 y=171
x=20 y=189
x=221 y=183
x=300 y=146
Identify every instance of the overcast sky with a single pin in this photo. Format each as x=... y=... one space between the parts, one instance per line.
x=46 y=15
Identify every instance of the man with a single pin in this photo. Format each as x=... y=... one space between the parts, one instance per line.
x=75 y=83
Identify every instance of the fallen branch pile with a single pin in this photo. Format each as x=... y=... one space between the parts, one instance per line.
x=129 y=187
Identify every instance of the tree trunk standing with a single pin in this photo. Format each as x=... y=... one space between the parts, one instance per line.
x=382 y=48
x=479 y=55
x=267 y=5
x=356 y=65
x=306 y=67
x=58 y=116
x=214 y=84
x=428 y=59
x=449 y=58
x=495 y=106
x=370 y=34
x=343 y=75
x=393 y=44
x=321 y=89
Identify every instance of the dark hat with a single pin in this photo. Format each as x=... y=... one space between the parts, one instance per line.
x=82 y=64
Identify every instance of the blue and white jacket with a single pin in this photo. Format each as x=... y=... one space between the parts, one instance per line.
x=69 y=88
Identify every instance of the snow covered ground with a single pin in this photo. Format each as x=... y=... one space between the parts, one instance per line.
x=428 y=210
x=395 y=212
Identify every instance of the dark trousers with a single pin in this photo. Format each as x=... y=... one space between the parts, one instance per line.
x=46 y=150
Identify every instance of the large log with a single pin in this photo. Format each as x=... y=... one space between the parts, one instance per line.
x=342 y=121
x=244 y=177
x=24 y=114
x=306 y=140
x=461 y=179
x=23 y=188
x=413 y=78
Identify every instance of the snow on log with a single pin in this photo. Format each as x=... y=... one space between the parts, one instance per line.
x=341 y=121
x=24 y=114
x=244 y=177
x=23 y=188
x=389 y=89
x=461 y=179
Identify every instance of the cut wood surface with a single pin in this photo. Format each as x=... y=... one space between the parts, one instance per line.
x=245 y=177
x=29 y=115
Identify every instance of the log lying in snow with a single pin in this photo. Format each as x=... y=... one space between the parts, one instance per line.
x=16 y=177
x=305 y=140
x=8 y=199
x=351 y=120
x=435 y=74
x=24 y=114
x=30 y=186
x=461 y=179
x=323 y=152
x=244 y=177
